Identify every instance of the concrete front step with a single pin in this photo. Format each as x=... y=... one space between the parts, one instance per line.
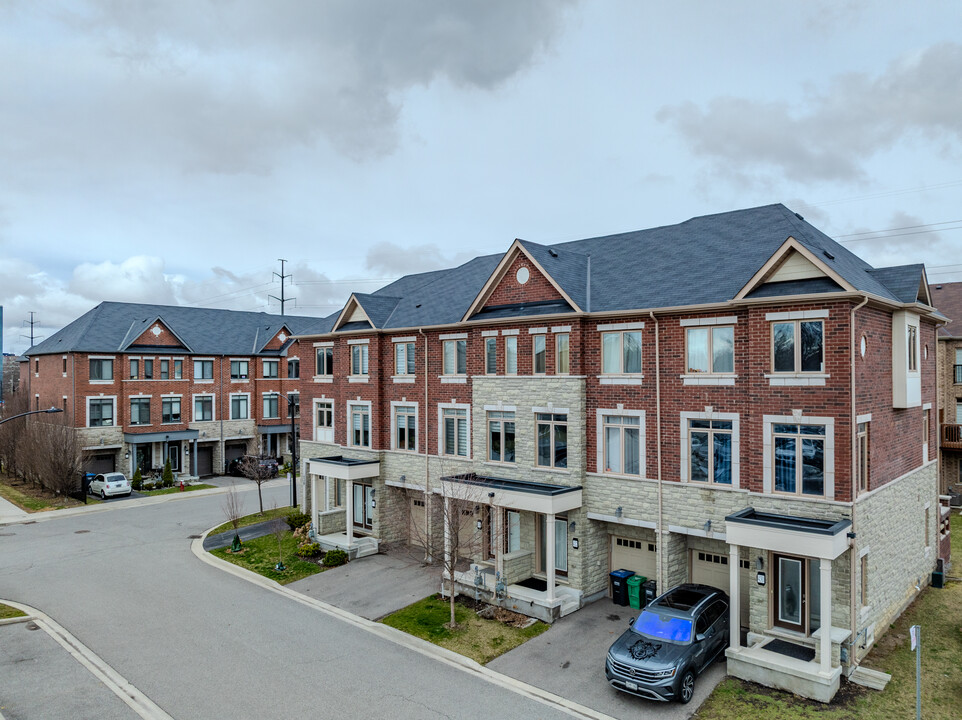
x=873 y=679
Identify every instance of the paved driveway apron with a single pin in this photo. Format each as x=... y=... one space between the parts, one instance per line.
x=569 y=660
x=202 y=643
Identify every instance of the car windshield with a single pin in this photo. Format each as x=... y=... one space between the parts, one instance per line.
x=663 y=627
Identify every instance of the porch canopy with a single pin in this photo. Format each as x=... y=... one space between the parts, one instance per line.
x=162 y=437
x=516 y=494
x=273 y=429
x=825 y=539
x=343 y=468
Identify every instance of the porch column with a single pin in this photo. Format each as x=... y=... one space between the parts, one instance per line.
x=193 y=464
x=825 y=571
x=314 y=506
x=499 y=539
x=549 y=560
x=349 y=504
x=133 y=457
x=734 y=597
x=327 y=493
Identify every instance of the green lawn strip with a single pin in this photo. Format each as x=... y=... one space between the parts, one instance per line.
x=260 y=556
x=176 y=489
x=938 y=614
x=7 y=612
x=479 y=639
x=253 y=519
x=29 y=503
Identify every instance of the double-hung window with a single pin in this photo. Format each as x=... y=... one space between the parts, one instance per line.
x=404 y=358
x=562 y=354
x=621 y=352
x=359 y=355
x=491 y=356
x=324 y=361
x=405 y=427
x=203 y=369
x=203 y=408
x=101 y=369
x=165 y=369
x=148 y=369
x=799 y=462
x=539 y=354
x=455 y=357
x=238 y=369
x=622 y=444
x=501 y=437
x=238 y=407
x=140 y=411
x=323 y=421
x=270 y=369
x=711 y=349
x=134 y=369
x=454 y=426
x=710 y=451
x=798 y=346
x=511 y=355
x=552 y=440
x=100 y=412
x=178 y=369
x=913 y=343
x=861 y=456
x=360 y=425
x=293 y=368
x=170 y=409
x=271 y=411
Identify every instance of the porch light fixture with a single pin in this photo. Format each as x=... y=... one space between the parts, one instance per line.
x=707 y=526
x=127 y=455
x=618 y=512
x=572 y=526
x=479 y=524
x=759 y=563
x=491 y=494
x=403 y=478
x=574 y=543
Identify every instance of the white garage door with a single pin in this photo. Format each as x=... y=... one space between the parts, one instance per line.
x=636 y=555
x=418 y=531
x=712 y=569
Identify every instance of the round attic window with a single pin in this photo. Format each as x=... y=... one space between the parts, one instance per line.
x=522 y=275
x=862 y=346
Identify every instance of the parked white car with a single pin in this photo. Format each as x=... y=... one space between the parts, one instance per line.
x=109 y=484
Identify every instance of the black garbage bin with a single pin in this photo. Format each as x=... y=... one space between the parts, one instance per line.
x=619 y=586
x=649 y=591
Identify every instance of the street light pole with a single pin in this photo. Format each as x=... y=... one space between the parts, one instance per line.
x=31 y=412
x=290 y=411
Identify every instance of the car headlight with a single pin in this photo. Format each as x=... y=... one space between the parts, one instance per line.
x=664 y=673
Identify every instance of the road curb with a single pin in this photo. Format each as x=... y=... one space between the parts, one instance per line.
x=401 y=638
x=114 y=681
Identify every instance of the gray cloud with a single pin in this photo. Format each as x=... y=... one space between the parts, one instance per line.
x=837 y=130
x=394 y=260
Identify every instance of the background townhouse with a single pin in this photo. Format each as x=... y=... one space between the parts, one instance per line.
x=144 y=384
x=736 y=400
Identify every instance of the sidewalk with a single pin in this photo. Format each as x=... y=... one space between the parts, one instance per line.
x=10 y=513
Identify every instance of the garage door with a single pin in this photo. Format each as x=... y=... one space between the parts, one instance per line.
x=232 y=451
x=631 y=554
x=100 y=463
x=205 y=461
x=712 y=569
x=418 y=530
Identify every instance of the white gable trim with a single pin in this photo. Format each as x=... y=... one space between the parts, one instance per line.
x=775 y=262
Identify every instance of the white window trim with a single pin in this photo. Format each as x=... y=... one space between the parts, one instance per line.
x=797 y=315
x=417 y=426
x=130 y=420
x=361 y=377
x=230 y=406
x=768 y=473
x=193 y=408
x=359 y=341
x=350 y=427
x=453 y=406
x=453 y=336
x=700 y=322
x=685 y=446
x=113 y=367
x=264 y=395
x=538 y=331
x=403 y=377
x=867 y=417
x=230 y=371
x=172 y=396
x=271 y=360
x=454 y=377
x=113 y=400
x=600 y=444
x=621 y=326
x=333 y=406
x=512 y=331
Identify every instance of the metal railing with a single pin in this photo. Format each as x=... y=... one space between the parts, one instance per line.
x=952 y=436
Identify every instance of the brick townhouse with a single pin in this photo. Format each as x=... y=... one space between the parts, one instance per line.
x=737 y=400
x=948 y=299
x=144 y=384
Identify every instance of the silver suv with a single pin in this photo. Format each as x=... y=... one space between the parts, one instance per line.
x=676 y=637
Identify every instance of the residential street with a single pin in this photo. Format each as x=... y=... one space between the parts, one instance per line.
x=202 y=643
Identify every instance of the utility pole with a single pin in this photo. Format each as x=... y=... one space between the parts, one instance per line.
x=283 y=277
x=31 y=322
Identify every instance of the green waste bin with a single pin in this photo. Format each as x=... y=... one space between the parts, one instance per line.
x=634 y=590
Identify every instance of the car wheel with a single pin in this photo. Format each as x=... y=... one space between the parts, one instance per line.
x=686 y=690
x=103 y=495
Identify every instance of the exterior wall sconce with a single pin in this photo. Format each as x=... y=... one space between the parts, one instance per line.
x=403 y=478
x=479 y=524
x=572 y=526
x=491 y=495
x=618 y=512
x=574 y=543
x=707 y=526
x=127 y=455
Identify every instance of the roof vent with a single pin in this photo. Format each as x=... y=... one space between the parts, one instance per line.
x=827 y=254
x=552 y=252
x=418 y=305
x=938 y=287
x=799 y=216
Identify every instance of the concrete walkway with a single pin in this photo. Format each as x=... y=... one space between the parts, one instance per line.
x=11 y=513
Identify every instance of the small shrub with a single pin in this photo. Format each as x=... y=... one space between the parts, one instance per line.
x=334 y=558
x=296 y=519
x=137 y=481
x=168 y=476
x=309 y=550
x=148 y=486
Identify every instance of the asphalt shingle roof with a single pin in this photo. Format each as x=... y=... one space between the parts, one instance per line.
x=947 y=297
x=904 y=281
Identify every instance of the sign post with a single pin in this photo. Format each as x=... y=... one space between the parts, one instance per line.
x=915 y=632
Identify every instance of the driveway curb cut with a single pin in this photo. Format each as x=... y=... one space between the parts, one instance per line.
x=114 y=681
x=401 y=638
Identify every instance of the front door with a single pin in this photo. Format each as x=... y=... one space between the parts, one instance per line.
x=790 y=593
x=173 y=454
x=142 y=458
x=363 y=506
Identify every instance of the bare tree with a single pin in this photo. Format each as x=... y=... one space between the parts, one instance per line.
x=11 y=432
x=253 y=470
x=459 y=511
x=59 y=457
x=233 y=509
x=279 y=528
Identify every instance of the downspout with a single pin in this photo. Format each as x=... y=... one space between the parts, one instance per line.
x=853 y=561
x=427 y=455
x=659 y=546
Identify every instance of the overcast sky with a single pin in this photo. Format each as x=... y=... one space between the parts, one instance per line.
x=171 y=152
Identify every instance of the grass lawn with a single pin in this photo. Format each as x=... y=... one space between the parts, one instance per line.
x=479 y=639
x=32 y=498
x=938 y=612
x=260 y=556
x=7 y=612
x=253 y=519
x=176 y=489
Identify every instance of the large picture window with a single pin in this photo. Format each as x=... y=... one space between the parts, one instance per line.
x=101 y=369
x=552 y=440
x=799 y=460
x=100 y=412
x=271 y=410
x=238 y=369
x=455 y=357
x=710 y=451
x=622 y=444
x=203 y=369
x=140 y=411
x=621 y=352
x=203 y=408
x=238 y=407
x=170 y=410
x=711 y=349
x=501 y=437
x=798 y=346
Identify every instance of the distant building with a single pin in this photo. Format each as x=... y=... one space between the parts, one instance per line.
x=11 y=376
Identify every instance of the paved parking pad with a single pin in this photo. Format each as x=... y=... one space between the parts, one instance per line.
x=41 y=680
x=569 y=660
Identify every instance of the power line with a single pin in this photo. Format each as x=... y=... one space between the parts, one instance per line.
x=886 y=193
x=905 y=227
x=886 y=237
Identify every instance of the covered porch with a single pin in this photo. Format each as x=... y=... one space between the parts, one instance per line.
x=524 y=533
x=797 y=648
x=342 y=504
x=141 y=453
